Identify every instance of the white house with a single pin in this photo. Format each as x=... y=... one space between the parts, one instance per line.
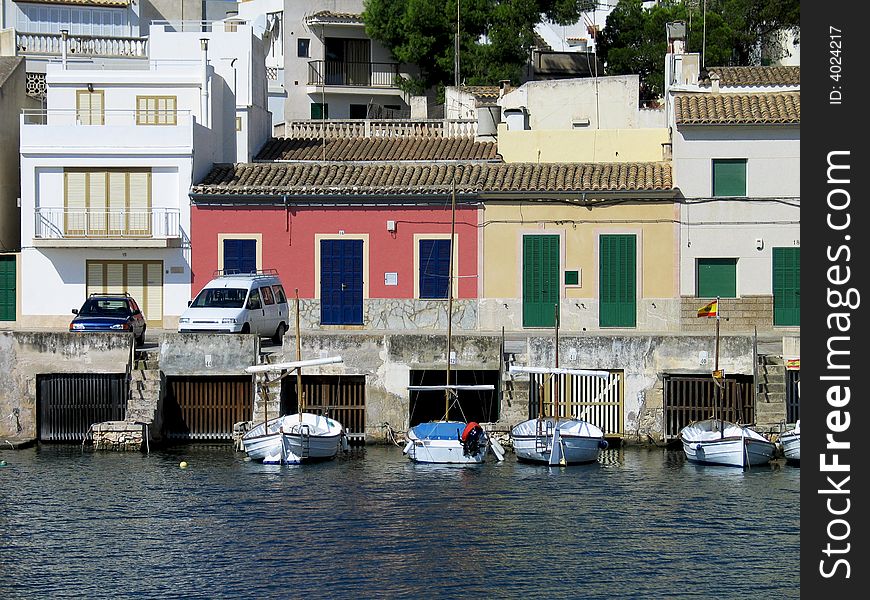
x=736 y=157
x=106 y=169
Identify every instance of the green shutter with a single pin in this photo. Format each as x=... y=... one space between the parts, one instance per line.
x=729 y=177
x=319 y=110
x=7 y=288
x=717 y=277
x=617 y=280
x=540 y=280
x=787 y=286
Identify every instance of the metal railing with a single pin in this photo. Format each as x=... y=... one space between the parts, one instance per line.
x=193 y=25
x=80 y=45
x=72 y=223
x=390 y=128
x=71 y=116
x=357 y=74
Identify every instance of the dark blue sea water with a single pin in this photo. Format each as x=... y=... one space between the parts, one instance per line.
x=639 y=524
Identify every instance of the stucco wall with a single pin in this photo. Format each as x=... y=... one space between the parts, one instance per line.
x=24 y=355
x=289 y=243
x=582 y=145
x=579 y=229
x=603 y=102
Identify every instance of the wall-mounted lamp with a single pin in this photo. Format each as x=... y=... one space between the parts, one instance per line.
x=90 y=87
x=759 y=243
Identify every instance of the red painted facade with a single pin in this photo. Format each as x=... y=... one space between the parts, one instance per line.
x=289 y=242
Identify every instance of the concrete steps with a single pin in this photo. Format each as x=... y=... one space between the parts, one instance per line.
x=771 y=391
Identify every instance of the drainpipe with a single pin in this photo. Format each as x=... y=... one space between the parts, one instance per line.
x=64 y=34
x=206 y=121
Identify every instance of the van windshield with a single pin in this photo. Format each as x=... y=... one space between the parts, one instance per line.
x=220 y=298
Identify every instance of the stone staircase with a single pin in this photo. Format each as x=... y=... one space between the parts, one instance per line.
x=139 y=427
x=770 y=394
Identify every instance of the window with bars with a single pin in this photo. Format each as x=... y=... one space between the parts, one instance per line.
x=156 y=110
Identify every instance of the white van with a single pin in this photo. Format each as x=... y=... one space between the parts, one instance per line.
x=243 y=303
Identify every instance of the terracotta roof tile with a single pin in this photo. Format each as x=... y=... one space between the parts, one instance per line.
x=109 y=3
x=735 y=109
x=754 y=76
x=360 y=149
x=330 y=16
x=403 y=179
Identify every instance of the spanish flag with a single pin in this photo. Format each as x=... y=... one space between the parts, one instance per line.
x=710 y=310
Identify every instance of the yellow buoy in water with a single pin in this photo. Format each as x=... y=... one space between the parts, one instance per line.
x=183 y=464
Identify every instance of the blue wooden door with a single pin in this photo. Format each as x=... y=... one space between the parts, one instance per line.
x=341 y=282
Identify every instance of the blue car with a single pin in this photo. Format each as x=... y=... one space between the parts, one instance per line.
x=110 y=312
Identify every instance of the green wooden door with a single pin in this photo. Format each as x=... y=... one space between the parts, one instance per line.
x=7 y=288
x=787 y=286
x=540 y=280
x=617 y=281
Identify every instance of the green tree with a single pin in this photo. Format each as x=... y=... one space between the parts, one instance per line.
x=495 y=36
x=729 y=32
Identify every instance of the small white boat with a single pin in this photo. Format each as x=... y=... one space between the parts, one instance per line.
x=449 y=442
x=293 y=439
x=717 y=442
x=562 y=442
x=791 y=443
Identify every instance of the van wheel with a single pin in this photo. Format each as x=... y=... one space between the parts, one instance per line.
x=278 y=338
x=246 y=328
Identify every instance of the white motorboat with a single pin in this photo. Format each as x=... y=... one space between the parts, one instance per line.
x=717 y=442
x=557 y=442
x=791 y=443
x=296 y=438
x=447 y=442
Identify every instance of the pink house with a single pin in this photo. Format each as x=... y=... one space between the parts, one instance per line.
x=365 y=243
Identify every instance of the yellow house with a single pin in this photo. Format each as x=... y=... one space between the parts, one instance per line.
x=595 y=242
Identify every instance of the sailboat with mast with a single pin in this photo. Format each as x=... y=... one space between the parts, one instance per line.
x=446 y=441
x=554 y=439
x=715 y=441
x=295 y=438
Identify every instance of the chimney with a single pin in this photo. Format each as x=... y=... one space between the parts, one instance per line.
x=714 y=83
x=64 y=35
x=204 y=111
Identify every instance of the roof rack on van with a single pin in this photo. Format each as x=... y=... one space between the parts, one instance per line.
x=97 y=294
x=237 y=273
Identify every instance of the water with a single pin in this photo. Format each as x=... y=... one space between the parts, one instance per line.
x=639 y=524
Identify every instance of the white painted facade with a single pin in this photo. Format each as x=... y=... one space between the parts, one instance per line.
x=219 y=116
x=743 y=228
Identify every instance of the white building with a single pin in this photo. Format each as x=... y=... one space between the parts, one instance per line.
x=106 y=169
x=736 y=157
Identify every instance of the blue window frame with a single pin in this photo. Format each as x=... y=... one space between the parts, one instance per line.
x=434 y=269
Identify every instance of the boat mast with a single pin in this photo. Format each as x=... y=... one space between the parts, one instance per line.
x=716 y=373
x=556 y=375
x=300 y=401
x=450 y=293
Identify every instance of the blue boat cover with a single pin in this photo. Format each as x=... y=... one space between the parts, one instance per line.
x=439 y=430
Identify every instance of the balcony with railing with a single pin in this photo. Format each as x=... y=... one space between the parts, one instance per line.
x=387 y=128
x=137 y=131
x=59 y=227
x=353 y=74
x=91 y=46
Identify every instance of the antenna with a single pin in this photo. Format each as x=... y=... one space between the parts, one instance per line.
x=456 y=50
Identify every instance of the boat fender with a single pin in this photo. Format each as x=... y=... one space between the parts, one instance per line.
x=602 y=444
